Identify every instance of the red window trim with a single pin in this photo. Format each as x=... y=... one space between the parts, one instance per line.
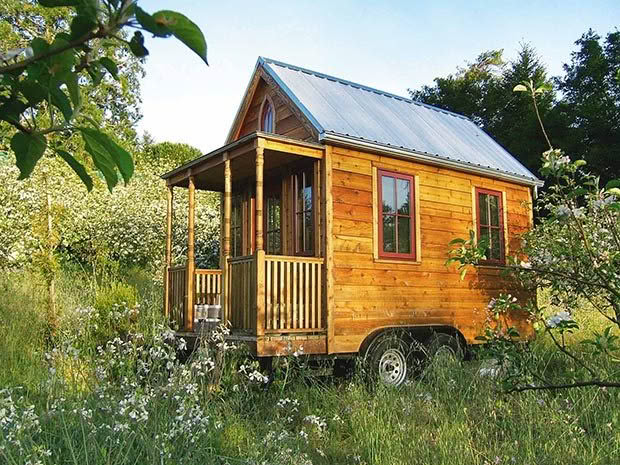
x=500 y=202
x=412 y=215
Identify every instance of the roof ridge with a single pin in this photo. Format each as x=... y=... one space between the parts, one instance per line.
x=359 y=86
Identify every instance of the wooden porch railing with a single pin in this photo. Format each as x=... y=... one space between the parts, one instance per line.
x=293 y=287
x=208 y=287
x=242 y=293
x=177 y=285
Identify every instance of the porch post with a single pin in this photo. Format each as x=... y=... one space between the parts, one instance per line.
x=327 y=212
x=168 y=253
x=191 y=265
x=260 y=252
x=226 y=239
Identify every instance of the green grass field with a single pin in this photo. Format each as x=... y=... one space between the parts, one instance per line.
x=64 y=401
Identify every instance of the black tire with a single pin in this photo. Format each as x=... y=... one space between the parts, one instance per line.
x=445 y=344
x=392 y=358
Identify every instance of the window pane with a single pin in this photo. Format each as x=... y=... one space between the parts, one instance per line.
x=299 y=230
x=387 y=194
x=494 y=205
x=389 y=234
x=404 y=196
x=307 y=198
x=404 y=234
x=276 y=248
x=495 y=244
x=299 y=181
x=483 y=202
x=309 y=230
x=485 y=236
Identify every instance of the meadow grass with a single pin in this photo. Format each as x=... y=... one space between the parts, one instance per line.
x=133 y=402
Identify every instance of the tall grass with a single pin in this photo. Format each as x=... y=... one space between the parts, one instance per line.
x=133 y=402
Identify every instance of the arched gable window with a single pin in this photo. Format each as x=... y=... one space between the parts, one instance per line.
x=267 y=117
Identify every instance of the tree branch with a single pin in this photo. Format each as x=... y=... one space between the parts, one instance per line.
x=550 y=387
x=102 y=32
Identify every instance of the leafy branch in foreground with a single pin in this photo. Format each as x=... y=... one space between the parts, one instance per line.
x=573 y=253
x=41 y=84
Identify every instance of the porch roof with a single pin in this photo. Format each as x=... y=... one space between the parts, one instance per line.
x=208 y=170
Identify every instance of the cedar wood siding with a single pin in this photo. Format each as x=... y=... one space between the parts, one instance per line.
x=286 y=123
x=369 y=294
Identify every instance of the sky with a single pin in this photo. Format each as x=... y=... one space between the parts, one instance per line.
x=389 y=45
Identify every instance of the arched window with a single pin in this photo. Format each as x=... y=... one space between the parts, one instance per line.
x=267 y=118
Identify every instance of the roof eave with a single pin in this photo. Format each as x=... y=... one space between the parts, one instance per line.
x=433 y=159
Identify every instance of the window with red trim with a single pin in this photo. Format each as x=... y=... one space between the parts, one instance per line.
x=397 y=216
x=490 y=219
x=267 y=117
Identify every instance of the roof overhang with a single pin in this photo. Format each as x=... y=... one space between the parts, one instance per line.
x=276 y=147
x=429 y=158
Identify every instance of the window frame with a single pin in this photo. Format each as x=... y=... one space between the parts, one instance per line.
x=381 y=253
x=267 y=105
x=501 y=224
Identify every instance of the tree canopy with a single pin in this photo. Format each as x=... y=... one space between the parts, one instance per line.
x=582 y=116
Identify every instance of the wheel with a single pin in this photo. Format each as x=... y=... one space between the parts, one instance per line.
x=443 y=345
x=391 y=358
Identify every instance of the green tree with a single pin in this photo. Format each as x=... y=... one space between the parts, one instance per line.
x=591 y=103
x=42 y=85
x=482 y=91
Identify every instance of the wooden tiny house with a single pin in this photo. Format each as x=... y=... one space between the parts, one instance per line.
x=338 y=205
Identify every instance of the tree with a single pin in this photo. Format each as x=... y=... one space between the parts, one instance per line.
x=591 y=102
x=483 y=92
x=574 y=253
x=41 y=86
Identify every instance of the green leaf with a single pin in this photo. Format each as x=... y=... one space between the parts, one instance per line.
x=183 y=29
x=101 y=158
x=136 y=44
x=149 y=23
x=95 y=72
x=12 y=109
x=579 y=163
x=78 y=168
x=81 y=25
x=463 y=273
x=614 y=191
x=29 y=149
x=39 y=46
x=613 y=183
x=121 y=158
x=70 y=79
x=61 y=101
x=33 y=91
x=457 y=241
x=110 y=66
x=519 y=88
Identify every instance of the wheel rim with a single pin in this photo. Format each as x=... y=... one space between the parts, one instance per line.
x=392 y=367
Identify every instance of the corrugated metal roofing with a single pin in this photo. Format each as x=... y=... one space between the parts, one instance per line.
x=343 y=108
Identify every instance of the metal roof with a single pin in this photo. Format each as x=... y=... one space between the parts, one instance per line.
x=345 y=111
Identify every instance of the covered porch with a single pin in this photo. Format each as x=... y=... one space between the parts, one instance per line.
x=271 y=280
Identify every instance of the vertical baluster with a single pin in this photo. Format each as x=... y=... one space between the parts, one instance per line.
x=294 y=281
x=319 y=301
x=281 y=292
x=307 y=295
x=312 y=296
x=268 y=294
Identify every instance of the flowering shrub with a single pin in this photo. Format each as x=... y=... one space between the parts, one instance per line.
x=126 y=226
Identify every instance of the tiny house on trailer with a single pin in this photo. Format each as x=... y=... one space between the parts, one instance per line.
x=338 y=204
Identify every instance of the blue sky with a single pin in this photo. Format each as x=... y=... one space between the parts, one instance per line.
x=389 y=45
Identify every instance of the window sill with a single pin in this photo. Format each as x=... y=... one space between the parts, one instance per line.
x=397 y=260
